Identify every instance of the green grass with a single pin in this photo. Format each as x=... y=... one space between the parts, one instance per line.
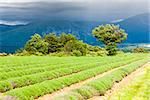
x=100 y=85
x=50 y=86
x=25 y=80
x=138 y=89
x=30 y=77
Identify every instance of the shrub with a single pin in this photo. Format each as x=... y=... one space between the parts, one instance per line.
x=76 y=45
x=59 y=54
x=23 y=53
x=93 y=54
x=39 y=54
x=94 y=48
x=36 y=44
x=99 y=53
x=140 y=50
x=76 y=53
x=102 y=53
x=120 y=52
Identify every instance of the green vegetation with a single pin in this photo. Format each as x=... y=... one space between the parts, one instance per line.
x=36 y=44
x=140 y=50
x=101 y=85
x=62 y=45
x=30 y=74
x=110 y=35
x=68 y=45
x=30 y=77
x=138 y=89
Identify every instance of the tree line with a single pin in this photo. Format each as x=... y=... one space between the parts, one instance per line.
x=63 y=44
x=109 y=34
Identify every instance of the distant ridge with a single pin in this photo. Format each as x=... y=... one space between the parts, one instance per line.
x=14 y=37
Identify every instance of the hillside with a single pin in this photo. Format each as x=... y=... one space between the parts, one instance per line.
x=15 y=37
x=137 y=28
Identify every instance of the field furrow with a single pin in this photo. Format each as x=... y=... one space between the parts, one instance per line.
x=44 y=77
x=48 y=75
x=100 y=85
x=19 y=73
x=51 y=86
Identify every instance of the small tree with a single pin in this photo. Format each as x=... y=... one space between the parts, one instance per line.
x=110 y=35
x=53 y=42
x=76 y=45
x=36 y=44
x=64 y=38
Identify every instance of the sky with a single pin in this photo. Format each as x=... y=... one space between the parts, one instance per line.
x=69 y=0
x=89 y=10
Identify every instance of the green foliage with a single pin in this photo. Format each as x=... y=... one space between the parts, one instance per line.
x=64 y=38
x=102 y=84
x=59 y=54
x=110 y=35
x=85 y=92
x=18 y=81
x=94 y=48
x=99 y=53
x=80 y=73
x=53 y=42
x=22 y=53
x=62 y=45
x=120 y=52
x=96 y=51
x=76 y=46
x=76 y=53
x=138 y=88
x=19 y=50
x=140 y=50
x=36 y=44
x=46 y=74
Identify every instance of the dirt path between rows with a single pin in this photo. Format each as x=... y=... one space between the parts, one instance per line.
x=125 y=81
x=75 y=86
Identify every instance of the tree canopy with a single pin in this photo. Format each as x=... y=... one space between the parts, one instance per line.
x=52 y=43
x=36 y=44
x=110 y=35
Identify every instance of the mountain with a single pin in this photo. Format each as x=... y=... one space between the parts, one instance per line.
x=137 y=28
x=15 y=37
x=4 y=28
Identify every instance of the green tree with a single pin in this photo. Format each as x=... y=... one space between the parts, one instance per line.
x=76 y=45
x=94 y=48
x=110 y=35
x=64 y=38
x=53 y=42
x=36 y=44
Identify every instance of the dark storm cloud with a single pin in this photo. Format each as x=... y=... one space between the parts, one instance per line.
x=40 y=10
x=72 y=9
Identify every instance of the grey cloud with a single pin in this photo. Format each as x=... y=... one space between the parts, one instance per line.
x=79 y=10
x=41 y=10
